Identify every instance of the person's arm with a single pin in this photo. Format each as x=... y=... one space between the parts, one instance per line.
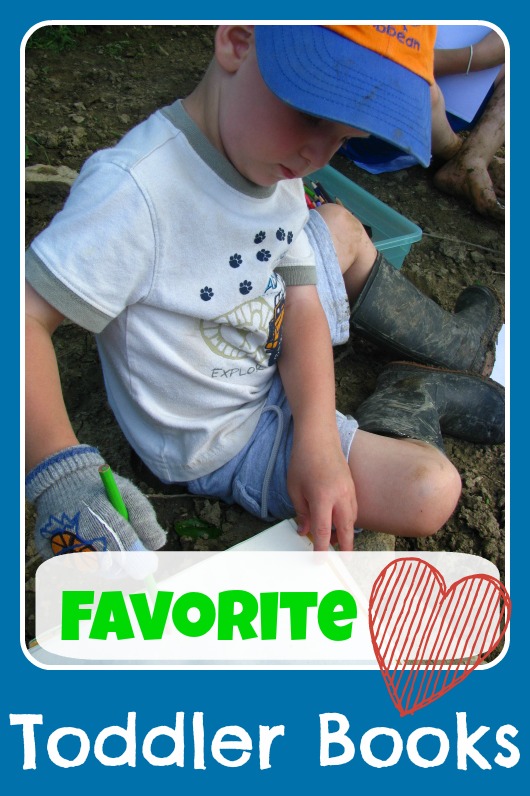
x=63 y=481
x=319 y=480
x=48 y=428
x=488 y=52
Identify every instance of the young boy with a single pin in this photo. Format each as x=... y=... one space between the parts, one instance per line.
x=188 y=250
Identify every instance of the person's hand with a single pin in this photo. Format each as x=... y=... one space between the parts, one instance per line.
x=74 y=513
x=321 y=488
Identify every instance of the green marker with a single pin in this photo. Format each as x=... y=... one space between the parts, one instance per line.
x=116 y=500
x=113 y=493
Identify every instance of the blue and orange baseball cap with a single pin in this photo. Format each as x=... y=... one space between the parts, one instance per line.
x=373 y=77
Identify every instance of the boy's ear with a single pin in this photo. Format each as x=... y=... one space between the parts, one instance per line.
x=232 y=44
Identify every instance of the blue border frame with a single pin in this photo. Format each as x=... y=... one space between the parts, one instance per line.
x=93 y=700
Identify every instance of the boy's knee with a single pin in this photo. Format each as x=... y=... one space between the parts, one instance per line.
x=347 y=232
x=435 y=489
x=340 y=221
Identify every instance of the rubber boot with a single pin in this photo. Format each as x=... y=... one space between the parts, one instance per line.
x=392 y=312
x=424 y=403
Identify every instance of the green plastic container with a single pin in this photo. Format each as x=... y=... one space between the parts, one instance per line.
x=392 y=233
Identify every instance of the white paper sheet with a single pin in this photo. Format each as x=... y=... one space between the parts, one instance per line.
x=499 y=370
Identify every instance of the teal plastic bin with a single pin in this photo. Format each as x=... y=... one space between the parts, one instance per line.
x=392 y=233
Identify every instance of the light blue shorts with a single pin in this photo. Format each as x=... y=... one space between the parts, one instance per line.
x=256 y=478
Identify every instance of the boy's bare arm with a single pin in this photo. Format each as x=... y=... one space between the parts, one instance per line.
x=72 y=510
x=319 y=481
x=48 y=427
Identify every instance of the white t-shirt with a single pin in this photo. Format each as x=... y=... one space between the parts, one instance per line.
x=179 y=265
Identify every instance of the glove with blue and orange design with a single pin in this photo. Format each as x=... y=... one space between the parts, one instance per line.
x=74 y=513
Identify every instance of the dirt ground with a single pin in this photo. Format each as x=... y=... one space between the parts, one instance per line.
x=82 y=94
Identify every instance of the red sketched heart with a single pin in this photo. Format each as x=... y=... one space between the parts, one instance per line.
x=427 y=638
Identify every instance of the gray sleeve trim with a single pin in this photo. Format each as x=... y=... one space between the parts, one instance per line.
x=61 y=297
x=179 y=117
x=294 y=275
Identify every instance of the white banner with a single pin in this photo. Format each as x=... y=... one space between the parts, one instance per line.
x=254 y=608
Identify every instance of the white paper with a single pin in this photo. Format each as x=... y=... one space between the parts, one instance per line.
x=499 y=369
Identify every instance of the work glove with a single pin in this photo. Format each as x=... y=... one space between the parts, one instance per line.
x=74 y=513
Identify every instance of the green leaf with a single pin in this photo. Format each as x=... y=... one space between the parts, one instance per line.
x=197 y=529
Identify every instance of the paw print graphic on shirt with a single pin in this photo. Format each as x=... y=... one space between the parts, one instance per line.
x=289 y=237
x=245 y=287
x=280 y=234
x=235 y=261
x=206 y=293
x=263 y=255
x=259 y=237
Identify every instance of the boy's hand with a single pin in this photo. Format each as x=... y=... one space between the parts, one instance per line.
x=74 y=513
x=323 y=493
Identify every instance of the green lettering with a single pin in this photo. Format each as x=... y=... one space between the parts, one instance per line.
x=111 y=617
x=269 y=615
x=229 y=619
x=206 y=608
x=328 y=615
x=72 y=613
x=153 y=624
x=298 y=602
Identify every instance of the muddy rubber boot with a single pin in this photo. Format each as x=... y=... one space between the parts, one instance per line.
x=423 y=403
x=392 y=312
